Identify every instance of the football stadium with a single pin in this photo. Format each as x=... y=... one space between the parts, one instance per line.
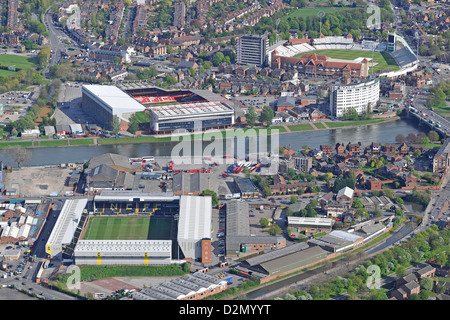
x=158 y=110
x=133 y=228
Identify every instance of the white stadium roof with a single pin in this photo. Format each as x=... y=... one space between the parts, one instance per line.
x=119 y=101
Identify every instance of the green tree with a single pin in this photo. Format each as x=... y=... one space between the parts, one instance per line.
x=275 y=229
x=264 y=222
x=267 y=115
x=218 y=58
x=293 y=199
x=214 y=197
x=433 y=135
x=251 y=116
x=133 y=124
x=115 y=125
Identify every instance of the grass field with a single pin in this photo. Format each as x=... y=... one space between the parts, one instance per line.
x=382 y=60
x=300 y=127
x=353 y=123
x=21 y=62
x=128 y=228
x=305 y=12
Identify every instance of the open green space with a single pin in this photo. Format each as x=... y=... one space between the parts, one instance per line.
x=382 y=60
x=53 y=143
x=9 y=144
x=20 y=62
x=128 y=228
x=313 y=11
x=301 y=127
x=319 y=125
x=353 y=123
x=81 y=141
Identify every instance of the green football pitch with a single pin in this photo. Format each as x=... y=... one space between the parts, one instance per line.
x=382 y=60
x=128 y=228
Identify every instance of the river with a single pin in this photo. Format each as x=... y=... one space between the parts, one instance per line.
x=382 y=133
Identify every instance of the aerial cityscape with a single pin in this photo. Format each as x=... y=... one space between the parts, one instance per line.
x=216 y=150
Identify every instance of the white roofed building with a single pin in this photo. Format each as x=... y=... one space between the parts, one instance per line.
x=103 y=102
x=194 y=225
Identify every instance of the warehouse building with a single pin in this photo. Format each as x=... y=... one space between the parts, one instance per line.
x=194 y=286
x=194 y=228
x=65 y=227
x=338 y=241
x=123 y=252
x=189 y=116
x=274 y=264
x=239 y=241
x=309 y=225
x=103 y=102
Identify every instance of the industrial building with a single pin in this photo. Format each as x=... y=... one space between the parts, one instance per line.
x=123 y=252
x=361 y=96
x=309 y=225
x=239 y=241
x=194 y=226
x=194 y=286
x=65 y=227
x=284 y=261
x=103 y=102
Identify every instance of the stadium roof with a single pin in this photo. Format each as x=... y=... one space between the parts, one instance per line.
x=118 y=101
x=67 y=222
x=190 y=109
x=195 y=218
x=124 y=247
x=131 y=195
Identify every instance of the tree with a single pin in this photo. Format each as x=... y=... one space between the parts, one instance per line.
x=433 y=135
x=400 y=138
x=267 y=115
x=251 y=116
x=218 y=58
x=115 y=125
x=214 y=198
x=426 y=283
x=134 y=124
x=264 y=222
x=19 y=154
x=274 y=230
x=293 y=199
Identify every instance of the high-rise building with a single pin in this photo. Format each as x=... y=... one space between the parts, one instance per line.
x=179 y=15
x=391 y=45
x=253 y=49
x=360 y=96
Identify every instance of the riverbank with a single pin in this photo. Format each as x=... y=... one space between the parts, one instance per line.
x=226 y=134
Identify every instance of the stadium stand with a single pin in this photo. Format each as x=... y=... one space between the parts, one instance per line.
x=404 y=57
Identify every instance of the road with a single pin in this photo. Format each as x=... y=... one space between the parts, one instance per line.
x=57 y=39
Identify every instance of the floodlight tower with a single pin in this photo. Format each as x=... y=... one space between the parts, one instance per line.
x=320 y=14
